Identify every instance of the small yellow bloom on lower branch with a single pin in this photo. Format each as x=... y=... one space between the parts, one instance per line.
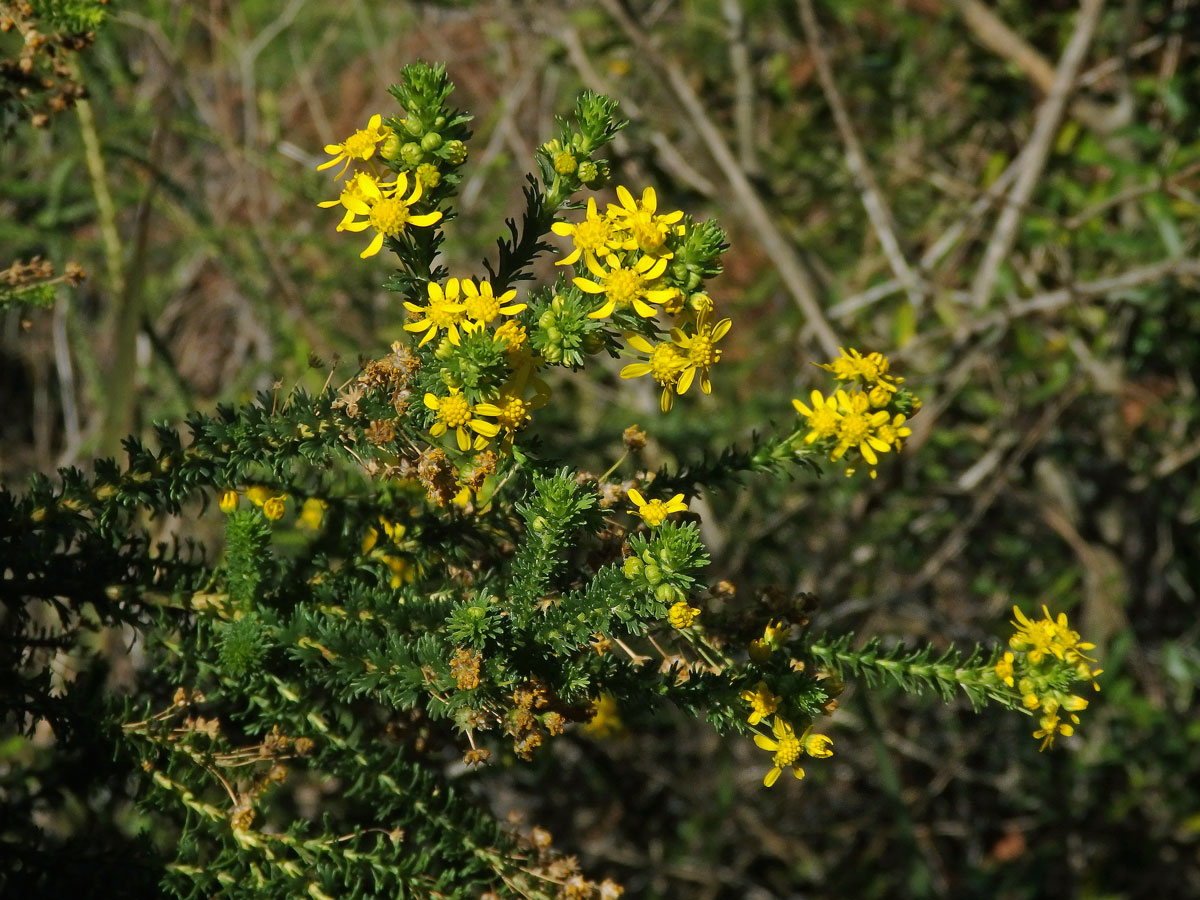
x=228 y=502
x=762 y=702
x=823 y=418
x=311 y=514
x=699 y=352
x=456 y=414
x=444 y=312
x=653 y=512
x=681 y=615
x=273 y=509
x=786 y=747
x=664 y=364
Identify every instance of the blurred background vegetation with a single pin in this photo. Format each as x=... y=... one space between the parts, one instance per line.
x=1002 y=196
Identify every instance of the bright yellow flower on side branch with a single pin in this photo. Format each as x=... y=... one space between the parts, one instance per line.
x=388 y=214
x=594 y=237
x=444 y=312
x=360 y=145
x=699 y=352
x=626 y=287
x=455 y=414
x=654 y=512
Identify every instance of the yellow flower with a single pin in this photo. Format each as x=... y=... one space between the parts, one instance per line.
x=606 y=718
x=258 y=494
x=699 y=351
x=856 y=428
x=626 y=287
x=786 y=747
x=273 y=508
x=311 y=514
x=823 y=418
x=871 y=368
x=228 y=502
x=360 y=145
x=513 y=334
x=443 y=313
x=653 y=512
x=647 y=231
x=817 y=745
x=665 y=364
x=1004 y=669
x=1051 y=727
x=388 y=214
x=359 y=190
x=893 y=432
x=762 y=702
x=455 y=413
x=594 y=237
x=681 y=615
x=1035 y=638
x=401 y=571
x=480 y=306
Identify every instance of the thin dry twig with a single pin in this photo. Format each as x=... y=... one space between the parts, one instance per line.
x=1034 y=156
x=856 y=161
x=777 y=247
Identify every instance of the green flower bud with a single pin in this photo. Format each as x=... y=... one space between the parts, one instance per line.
x=552 y=354
x=593 y=343
x=444 y=350
x=653 y=575
x=668 y=593
x=391 y=147
x=454 y=152
x=599 y=179
x=412 y=154
x=431 y=141
x=553 y=335
x=413 y=126
x=538 y=524
x=439 y=122
x=546 y=319
x=633 y=567
x=587 y=171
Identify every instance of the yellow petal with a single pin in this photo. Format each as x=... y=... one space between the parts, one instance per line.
x=373 y=247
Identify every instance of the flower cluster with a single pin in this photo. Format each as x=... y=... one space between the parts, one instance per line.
x=863 y=419
x=1046 y=659
x=639 y=265
x=385 y=206
x=788 y=747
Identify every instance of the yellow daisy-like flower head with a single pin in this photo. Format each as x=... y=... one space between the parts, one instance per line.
x=258 y=494
x=681 y=615
x=647 y=231
x=455 y=414
x=1035 y=638
x=822 y=418
x=654 y=512
x=786 y=747
x=444 y=312
x=665 y=364
x=626 y=287
x=762 y=702
x=857 y=426
x=273 y=508
x=594 y=237
x=388 y=214
x=893 y=432
x=360 y=191
x=482 y=307
x=360 y=145
x=700 y=352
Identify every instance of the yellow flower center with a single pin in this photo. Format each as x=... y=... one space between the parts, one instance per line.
x=454 y=410
x=664 y=364
x=787 y=751
x=513 y=333
x=513 y=413
x=853 y=428
x=442 y=313
x=389 y=216
x=653 y=513
x=361 y=144
x=623 y=285
x=647 y=234
x=764 y=703
x=701 y=352
x=482 y=307
x=824 y=421
x=592 y=235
